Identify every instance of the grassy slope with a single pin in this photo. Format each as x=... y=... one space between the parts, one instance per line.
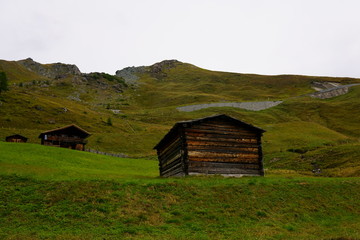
x=188 y=84
x=33 y=108
x=193 y=208
x=51 y=193
x=149 y=111
x=41 y=162
x=65 y=194
x=16 y=73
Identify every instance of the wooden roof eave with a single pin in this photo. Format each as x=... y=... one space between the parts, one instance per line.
x=197 y=121
x=171 y=131
x=62 y=128
x=17 y=135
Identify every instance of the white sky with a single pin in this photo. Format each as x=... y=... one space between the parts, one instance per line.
x=310 y=37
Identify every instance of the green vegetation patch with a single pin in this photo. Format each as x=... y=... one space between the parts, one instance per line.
x=190 y=208
x=51 y=163
x=342 y=160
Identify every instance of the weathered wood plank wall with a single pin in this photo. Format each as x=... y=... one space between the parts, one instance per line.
x=171 y=158
x=220 y=147
x=213 y=145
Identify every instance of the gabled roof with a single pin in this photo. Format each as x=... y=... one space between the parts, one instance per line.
x=17 y=136
x=200 y=120
x=65 y=127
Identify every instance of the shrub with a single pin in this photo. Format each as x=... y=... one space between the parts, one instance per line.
x=109 y=122
x=3 y=82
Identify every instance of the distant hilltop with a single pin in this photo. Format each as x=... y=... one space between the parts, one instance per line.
x=157 y=70
x=129 y=74
x=53 y=71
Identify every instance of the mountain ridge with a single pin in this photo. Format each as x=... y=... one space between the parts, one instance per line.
x=143 y=111
x=311 y=151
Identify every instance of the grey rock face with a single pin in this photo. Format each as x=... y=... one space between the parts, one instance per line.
x=319 y=86
x=166 y=64
x=53 y=71
x=253 y=106
x=115 y=111
x=158 y=70
x=75 y=97
x=129 y=74
x=333 y=92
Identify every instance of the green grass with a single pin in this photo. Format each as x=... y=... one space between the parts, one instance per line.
x=17 y=73
x=43 y=162
x=190 y=208
x=341 y=160
x=55 y=193
x=186 y=84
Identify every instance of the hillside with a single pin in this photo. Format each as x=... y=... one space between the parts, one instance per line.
x=43 y=163
x=54 y=193
x=142 y=105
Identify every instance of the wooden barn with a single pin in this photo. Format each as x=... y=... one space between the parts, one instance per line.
x=71 y=136
x=16 y=138
x=213 y=145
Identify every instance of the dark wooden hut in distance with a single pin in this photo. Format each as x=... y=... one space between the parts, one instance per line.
x=71 y=136
x=16 y=138
x=213 y=145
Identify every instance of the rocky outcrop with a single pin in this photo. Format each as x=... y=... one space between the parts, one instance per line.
x=129 y=74
x=333 y=92
x=166 y=64
x=158 y=71
x=253 y=106
x=319 y=86
x=52 y=71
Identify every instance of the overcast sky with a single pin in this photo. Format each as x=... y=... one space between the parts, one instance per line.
x=309 y=37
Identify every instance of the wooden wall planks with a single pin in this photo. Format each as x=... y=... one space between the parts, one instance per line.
x=213 y=145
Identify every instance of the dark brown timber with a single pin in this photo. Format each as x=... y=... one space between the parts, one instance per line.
x=71 y=136
x=16 y=138
x=213 y=145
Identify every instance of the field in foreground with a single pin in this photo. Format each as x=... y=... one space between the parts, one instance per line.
x=52 y=193
x=190 y=208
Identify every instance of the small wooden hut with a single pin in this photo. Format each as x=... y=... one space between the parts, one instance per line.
x=16 y=138
x=213 y=145
x=70 y=136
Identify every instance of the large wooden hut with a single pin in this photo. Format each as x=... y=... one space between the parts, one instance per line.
x=16 y=138
x=70 y=136
x=213 y=145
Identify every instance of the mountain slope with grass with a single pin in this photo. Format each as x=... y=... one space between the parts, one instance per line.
x=55 y=193
x=130 y=112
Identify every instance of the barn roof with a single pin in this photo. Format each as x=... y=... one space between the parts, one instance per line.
x=85 y=133
x=17 y=136
x=200 y=120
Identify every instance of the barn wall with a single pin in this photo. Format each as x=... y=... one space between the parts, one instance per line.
x=171 y=157
x=18 y=140
x=64 y=144
x=223 y=147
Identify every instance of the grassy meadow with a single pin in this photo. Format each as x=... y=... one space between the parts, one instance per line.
x=51 y=163
x=53 y=193
x=148 y=109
